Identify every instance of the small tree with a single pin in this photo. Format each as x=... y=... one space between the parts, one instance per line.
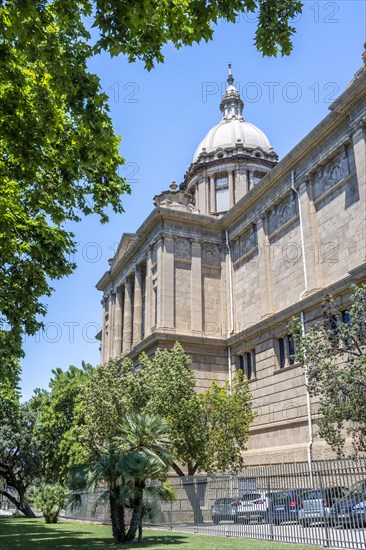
x=20 y=458
x=146 y=447
x=140 y=453
x=334 y=353
x=209 y=430
x=56 y=410
x=50 y=499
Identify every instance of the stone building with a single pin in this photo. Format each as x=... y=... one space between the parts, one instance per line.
x=226 y=258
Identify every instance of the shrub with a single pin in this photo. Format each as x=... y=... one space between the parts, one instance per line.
x=50 y=499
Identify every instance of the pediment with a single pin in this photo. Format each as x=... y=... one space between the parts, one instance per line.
x=125 y=244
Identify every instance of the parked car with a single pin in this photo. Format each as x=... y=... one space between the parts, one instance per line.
x=284 y=506
x=253 y=505
x=222 y=509
x=351 y=509
x=316 y=504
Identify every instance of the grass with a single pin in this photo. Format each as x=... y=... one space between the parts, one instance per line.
x=34 y=534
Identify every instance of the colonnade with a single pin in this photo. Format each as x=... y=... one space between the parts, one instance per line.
x=124 y=314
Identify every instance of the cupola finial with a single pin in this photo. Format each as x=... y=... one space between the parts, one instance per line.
x=230 y=78
x=231 y=104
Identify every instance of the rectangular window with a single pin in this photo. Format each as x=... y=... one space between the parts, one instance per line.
x=247 y=364
x=282 y=353
x=222 y=200
x=248 y=360
x=291 y=349
x=222 y=194
x=285 y=351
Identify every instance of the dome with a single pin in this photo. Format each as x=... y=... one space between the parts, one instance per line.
x=232 y=132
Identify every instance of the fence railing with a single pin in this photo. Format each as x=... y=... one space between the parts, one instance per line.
x=286 y=503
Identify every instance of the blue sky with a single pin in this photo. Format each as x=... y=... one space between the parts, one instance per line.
x=162 y=116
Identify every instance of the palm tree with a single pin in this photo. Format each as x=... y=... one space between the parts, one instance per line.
x=141 y=452
x=146 y=447
x=106 y=471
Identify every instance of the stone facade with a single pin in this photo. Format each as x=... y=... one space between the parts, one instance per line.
x=243 y=244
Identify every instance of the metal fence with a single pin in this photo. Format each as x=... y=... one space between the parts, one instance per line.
x=284 y=503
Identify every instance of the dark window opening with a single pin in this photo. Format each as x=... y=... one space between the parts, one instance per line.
x=282 y=352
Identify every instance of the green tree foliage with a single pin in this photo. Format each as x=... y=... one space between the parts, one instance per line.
x=333 y=351
x=113 y=390
x=56 y=411
x=209 y=429
x=9 y=380
x=20 y=458
x=140 y=452
x=140 y=29
x=229 y=415
x=59 y=154
x=50 y=499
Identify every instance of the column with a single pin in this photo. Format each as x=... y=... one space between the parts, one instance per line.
x=159 y=285
x=196 y=287
x=112 y=303
x=148 y=293
x=168 y=289
x=359 y=148
x=240 y=183
x=137 y=307
x=309 y=222
x=103 y=353
x=127 y=317
x=201 y=188
x=166 y=279
x=231 y=189
x=118 y=312
x=212 y=194
x=265 y=267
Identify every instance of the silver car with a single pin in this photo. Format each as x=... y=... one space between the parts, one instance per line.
x=316 y=504
x=251 y=506
x=222 y=509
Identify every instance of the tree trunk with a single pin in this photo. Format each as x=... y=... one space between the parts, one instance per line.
x=21 y=504
x=139 y=536
x=136 y=515
x=190 y=488
x=118 y=520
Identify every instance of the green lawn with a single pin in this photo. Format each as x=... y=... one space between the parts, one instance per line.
x=34 y=534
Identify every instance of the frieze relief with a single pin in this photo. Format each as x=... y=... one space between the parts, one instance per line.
x=211 y=254
x=182 y=249
x=245 y=244
x=282 y=213
x=331 y=173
